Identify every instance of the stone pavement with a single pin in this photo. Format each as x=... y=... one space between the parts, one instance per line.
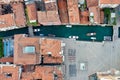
x=97 y=56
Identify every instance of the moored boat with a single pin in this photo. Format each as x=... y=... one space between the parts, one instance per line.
x=91 y=34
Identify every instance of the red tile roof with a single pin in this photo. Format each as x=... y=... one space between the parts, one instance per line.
x=25 y=58
x=84 y=17
x=52 y=59
x=43 y=73
x=32 y=11
x=73 y=11
x=1 y=10
x=42 y=46
x=19 y=13
x=51 y=6
x=7 y=20
x=63 y=13
x=48 y=18
x=50 y=45
x=6 y=59
x=6 y=69
x=40 y=72
x=53 y=47
x=101 y=16
x=91 y=3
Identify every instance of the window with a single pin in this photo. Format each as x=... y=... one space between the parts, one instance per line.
x=8 y=75
x=29 y=49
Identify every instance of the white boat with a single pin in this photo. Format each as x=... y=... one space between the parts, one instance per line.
x=91 y=34
x=69 y=25
x=74 y=37
x=93 y=38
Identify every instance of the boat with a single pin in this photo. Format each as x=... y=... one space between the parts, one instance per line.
x=69 y=25
x=74 y=37
x=91 y=34
x=93 y=38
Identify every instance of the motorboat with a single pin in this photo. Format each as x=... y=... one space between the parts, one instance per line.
x=93 y=38
x=91 y=34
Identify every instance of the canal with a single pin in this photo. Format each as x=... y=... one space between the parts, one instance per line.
x=77 y=30
x=13 y=32
x=65 y=32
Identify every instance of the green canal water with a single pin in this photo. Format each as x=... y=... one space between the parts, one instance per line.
x=13 y=32
x=64 y=32
x=77 y=30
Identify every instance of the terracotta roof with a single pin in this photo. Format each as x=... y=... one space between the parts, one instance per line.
x=19 y=13
x=96 y=11
x=101 y=16
x=48 y=18
x=50 y=45
x=7 y=20
x=50 y=6
x=25 y=58
x=73 y=11
x=109 y=1
x=52 y=59
x=6 y=59
x=43 y=47
x=53 y=47
x=1 y=10
x=32 y=12
x=9 y=69
x=91 y=3
x=43 y=73
x=84 y=17
x=63 y=13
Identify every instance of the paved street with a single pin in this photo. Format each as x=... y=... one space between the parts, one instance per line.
x=97 y=56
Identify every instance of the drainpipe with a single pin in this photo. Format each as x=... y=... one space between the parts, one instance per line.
x=14 y=20
x=20 y=73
